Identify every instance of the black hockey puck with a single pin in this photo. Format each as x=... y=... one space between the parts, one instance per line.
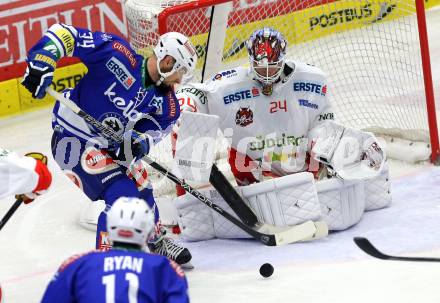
x=266 y=270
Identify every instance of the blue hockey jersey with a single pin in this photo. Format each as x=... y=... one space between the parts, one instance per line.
x=113 y=91
x=123 y=276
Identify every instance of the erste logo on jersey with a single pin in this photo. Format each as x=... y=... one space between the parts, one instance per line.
x=242 y=95
x=121 y=72
x=310 y=87
x=244 y=116
x=226 y=74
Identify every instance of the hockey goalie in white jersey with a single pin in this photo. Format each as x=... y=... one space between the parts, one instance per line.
x=293 y=162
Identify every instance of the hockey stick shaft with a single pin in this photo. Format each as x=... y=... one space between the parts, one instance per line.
x=293 y=234
x=10 y=212
x=365 y=245
x=231 y=197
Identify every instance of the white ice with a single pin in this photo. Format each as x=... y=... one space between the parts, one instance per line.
x=41 y=235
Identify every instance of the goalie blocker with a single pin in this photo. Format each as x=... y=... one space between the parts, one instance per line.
x=284 y=201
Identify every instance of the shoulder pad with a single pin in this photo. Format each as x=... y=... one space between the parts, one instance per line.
x=74 y=258
x=121 y=47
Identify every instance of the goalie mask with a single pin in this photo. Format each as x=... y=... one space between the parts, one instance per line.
x=267 y=50
x=181 y=49
x=130 y=220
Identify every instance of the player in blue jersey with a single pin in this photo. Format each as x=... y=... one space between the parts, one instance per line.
x=132 y=94
x=124 y=273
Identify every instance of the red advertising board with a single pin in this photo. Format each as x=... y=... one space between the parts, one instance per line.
x=22 y=24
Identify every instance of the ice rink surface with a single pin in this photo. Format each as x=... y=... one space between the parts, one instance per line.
x=41 y=235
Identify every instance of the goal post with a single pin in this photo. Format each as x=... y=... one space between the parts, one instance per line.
x=375 y=53
x=429 y=88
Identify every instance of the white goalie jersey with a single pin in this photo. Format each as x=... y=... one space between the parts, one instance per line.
x=271 y=130
x=273 y=136
x=19 y=174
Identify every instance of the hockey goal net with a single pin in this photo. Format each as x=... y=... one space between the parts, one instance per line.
x=375 y=53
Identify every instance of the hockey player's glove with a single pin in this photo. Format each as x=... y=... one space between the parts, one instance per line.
x=44 y=181
x=39 y=72
x=139 y=146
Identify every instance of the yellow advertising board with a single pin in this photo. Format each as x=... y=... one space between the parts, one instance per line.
x=9 y=104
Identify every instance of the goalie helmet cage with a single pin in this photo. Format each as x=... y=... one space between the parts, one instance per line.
x=374 y=52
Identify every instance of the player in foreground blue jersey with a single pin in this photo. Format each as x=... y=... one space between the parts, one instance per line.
x=125 y=91
x=124 y=273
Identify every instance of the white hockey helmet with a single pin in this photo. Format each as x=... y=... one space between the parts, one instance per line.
x=181 y=49
x=130 y=220
x=267 y=50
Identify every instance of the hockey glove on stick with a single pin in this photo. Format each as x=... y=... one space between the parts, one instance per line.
x=39 y=72
x=139 y=146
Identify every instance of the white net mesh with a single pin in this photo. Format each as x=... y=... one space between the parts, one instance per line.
x=369 y=49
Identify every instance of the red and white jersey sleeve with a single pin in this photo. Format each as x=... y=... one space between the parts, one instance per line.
x=270 y=129
x=21 y=175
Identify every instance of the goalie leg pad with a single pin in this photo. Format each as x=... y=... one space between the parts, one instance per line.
x=377 y=191
x=287 y=200
x=283 y=201
x=194 y=219
x=342 y=202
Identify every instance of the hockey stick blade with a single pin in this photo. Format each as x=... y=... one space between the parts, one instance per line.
x=288 y=235
x=365 y=245
x=10 y=212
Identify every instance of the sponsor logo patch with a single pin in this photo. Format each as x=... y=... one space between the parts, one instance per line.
x=327 y=116
x=310 y=87
x=242 y=95
x=128 y=108
x=226 y=74
x=96 y=161
x=104 y=243
x=307 y=103
x=244 y=117
x=121 y=72
x=126 y=52
x=157 y=102
x=173 y=102
x=106 y=37
x=114 y=121
x=66 y=38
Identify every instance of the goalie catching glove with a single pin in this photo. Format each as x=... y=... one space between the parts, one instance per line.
x=348 y=153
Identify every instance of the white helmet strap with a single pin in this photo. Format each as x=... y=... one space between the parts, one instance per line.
x=163 y=75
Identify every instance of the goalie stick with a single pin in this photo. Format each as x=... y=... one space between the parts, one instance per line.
x=10 y=212
x=267 y=234
x=365 y=245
